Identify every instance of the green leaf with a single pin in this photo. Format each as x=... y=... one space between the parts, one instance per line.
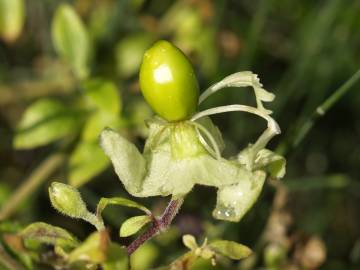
x=133 y=225
x=120 y=201
x=104 y=95
x=91 y=250
x=96 y=122
x=41 y=233
x=71 y=40
x=86 y=161
x=139 y=112
x=144 y=257
x=45 y=121
x=230 y=249
x=129 y=53
x=12 y=15
x=117 y=258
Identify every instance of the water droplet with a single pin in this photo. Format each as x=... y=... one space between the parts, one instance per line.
x=225 y=212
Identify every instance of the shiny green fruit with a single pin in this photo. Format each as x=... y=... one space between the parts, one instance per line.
x=168 y=82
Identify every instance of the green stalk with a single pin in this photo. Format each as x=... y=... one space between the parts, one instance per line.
x=36 y=178
x=320 y=111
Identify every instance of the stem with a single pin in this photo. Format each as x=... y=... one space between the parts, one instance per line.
x=159 y=225
x=36 y=178
x=320 y=111
x=94 y=220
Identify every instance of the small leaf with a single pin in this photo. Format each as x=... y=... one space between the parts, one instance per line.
x=190 y=241
x=120 y=201
x=104 y=95
x=91 y=250
x=86 y=161
x=133 y=225
x=71 y=40
x=12 y=15
x=45 y=121
x=230 y=249
x=42 y=233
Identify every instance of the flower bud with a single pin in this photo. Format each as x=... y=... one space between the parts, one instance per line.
x=67 y=200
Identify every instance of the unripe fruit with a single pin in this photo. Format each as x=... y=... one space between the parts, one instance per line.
x=168 y=82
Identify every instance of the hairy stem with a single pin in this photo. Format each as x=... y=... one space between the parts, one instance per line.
x=36 y=178
x=159 y=225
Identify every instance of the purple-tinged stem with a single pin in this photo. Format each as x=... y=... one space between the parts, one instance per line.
x=158 y=225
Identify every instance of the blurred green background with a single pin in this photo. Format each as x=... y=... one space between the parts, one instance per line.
x=68 y=71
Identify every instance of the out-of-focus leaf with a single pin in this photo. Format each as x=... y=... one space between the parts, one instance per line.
x=45 y=121
x=9 y=227
x=12 y=16
x=71 y=41
x=129 y=53
x=139 y=112
x=104 y=95
x=94 y=124
x=102 y=20
x=117 y=258
x=334 y=181
x=86 y=161
x=274 y=256
x=5 y=193
x=144 y=257
x=230 y=249
x=120 y=201
x=91 y=250
x=97 y=122
x=133 y=225
x=41 y=233
x=136 y=4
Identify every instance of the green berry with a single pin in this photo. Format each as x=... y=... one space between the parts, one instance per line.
x=168 y=82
